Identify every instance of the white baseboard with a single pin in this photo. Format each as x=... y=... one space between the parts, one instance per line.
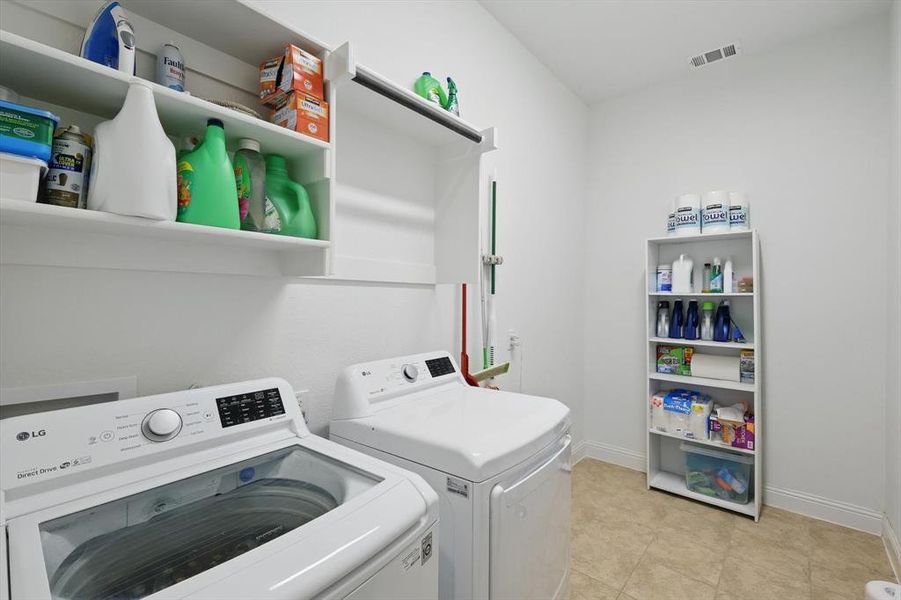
x=892 y=547
x=825 y=509
x=611 y=454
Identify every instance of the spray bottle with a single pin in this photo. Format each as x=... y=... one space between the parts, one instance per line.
x=453 y=104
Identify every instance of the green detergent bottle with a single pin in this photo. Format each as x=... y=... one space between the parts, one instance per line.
x=206 y=183
x=288 y=210
x=429 y=88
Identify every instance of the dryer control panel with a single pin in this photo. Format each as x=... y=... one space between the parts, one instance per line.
x=362 y=387
x=42 y=446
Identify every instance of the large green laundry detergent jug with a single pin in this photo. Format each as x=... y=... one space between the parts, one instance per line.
x=288 y=210
x=207 y=194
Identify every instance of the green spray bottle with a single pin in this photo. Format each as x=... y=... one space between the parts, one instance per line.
x=288 y=210
x=453 y=104
x=429 y=88
x=206 y=183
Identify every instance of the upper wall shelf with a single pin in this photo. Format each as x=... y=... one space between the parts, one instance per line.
x=35 y=70
x=707 y=237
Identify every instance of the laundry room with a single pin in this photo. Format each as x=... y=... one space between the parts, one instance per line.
x=450 y=299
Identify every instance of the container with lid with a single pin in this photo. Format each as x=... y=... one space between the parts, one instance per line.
x=20 y=177
x=26 y=131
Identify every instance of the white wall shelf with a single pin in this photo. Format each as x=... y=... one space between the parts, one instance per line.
x=702 y=343
x=665 y=459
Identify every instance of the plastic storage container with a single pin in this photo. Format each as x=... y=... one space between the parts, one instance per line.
x=26 y=131
x=20 y=177
x=716 y=473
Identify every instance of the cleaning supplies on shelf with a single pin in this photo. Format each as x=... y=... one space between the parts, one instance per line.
x=133 y=167
x=681 y=412
x=683 y=270
x=712 y=366
x=430 y=88
x=674 y=360
x=732 y=426
x=716 y=277
x=250 y=181
x=664 y=278
x=20 y=177
x=453 y=102
x=26 y=131
x=110 y=39
x=304 y=114
x=663 y=319
x=721 y=474
x=688 y=215
x=69 y=169
x=746 y=366
x=676 y=320
x=723 y=324
x=715 y=212
x=707 y=321
x=728 y=277
x=207 y=194
x=170 y=67
x=692 y=321
x=739 y=211
x=290 y=212
x=295 y=70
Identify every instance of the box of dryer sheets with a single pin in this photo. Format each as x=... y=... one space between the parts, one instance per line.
x=294 y=71
x=746 y=366
x=304 y=114
x=674 y=360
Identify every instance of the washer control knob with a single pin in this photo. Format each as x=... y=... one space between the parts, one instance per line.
x=161 y=425
x=410 y=372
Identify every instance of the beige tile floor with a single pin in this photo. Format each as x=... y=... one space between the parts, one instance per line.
x=629 y=543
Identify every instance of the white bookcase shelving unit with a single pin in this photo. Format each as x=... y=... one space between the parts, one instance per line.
x=665 y=459
x=399 y=202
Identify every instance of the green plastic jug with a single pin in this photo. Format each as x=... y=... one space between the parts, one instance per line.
x=288 y=210
x=206 y=183
x=429 y=88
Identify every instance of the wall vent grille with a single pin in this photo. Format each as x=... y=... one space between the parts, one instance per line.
x=704 y=59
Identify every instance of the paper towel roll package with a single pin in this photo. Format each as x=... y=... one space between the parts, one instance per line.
x=715 y=367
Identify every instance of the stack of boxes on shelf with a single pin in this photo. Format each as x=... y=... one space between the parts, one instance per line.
x=291 y=85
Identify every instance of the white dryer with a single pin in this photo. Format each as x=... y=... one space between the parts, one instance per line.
x=499 y=461
x=219 y=492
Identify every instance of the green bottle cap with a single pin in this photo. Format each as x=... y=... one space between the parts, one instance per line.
x=707 y=306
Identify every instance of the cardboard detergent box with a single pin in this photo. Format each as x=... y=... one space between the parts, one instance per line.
x=674 y=360
x=304 y=114
x=294 y=71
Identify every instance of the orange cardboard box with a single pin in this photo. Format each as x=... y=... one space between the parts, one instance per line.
x=305 y=114
x=294 y=71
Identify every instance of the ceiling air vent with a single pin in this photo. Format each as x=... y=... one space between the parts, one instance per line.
x=706 y=58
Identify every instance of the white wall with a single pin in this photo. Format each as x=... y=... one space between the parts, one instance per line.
x=893 y=352
x=173 y=330
x=804 y=129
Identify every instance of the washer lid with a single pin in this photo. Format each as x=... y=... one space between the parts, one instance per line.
x=468 y=432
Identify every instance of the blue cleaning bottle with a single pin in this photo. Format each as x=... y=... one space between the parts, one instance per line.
x=692 y=320
x=676 y=320
x=722 y=326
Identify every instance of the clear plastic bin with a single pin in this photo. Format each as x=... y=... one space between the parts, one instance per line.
x=716 y=473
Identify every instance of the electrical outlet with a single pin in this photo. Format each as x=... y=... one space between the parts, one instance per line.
x=299 y=395
x=513 y=340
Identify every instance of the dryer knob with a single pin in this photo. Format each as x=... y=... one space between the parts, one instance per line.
x=161 y=425
x=410 y=372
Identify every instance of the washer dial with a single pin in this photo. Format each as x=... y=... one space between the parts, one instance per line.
x=161 y=425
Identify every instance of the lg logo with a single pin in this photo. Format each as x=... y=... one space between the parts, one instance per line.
x=24 y=435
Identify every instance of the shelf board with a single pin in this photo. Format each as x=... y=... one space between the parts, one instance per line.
x=45 y=73
x=718 y=445
x=703 y=295
x=702 y=343
x=703 y=381
x=688 y=239
x=673 y=483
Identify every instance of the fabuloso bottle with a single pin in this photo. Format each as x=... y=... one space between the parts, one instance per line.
x=288 y=209
x=429 y=88
x=206 y=182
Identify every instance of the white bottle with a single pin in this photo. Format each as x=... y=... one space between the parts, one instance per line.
x=728 y=277
x=133 y=172
x=682 y=272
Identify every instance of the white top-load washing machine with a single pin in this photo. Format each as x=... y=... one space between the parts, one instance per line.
x=219 y=492
x=499 y=461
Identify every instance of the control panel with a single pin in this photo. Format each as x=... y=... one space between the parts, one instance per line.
x=39 y=446
x=363 y=385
